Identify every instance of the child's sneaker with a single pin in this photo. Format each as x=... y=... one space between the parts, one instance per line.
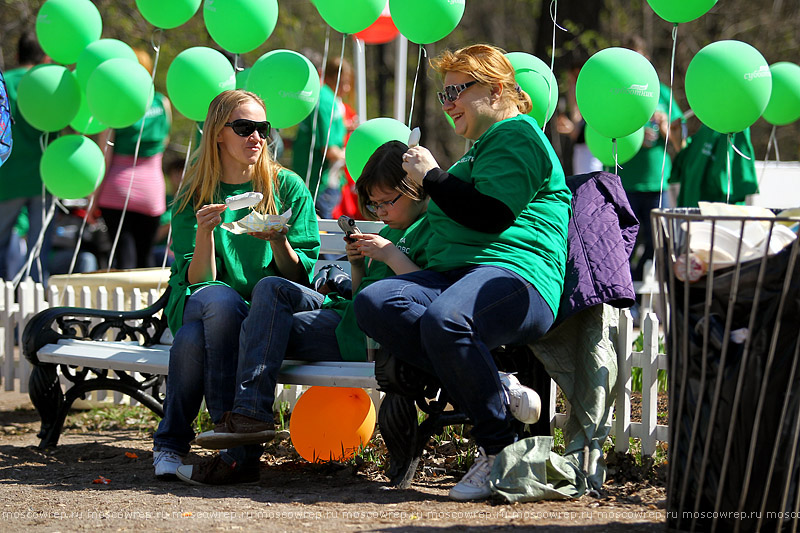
x=475 y=483
x=166 y=464
x=523 y=402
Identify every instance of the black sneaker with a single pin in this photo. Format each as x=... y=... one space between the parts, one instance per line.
x=215 y=471
x=236 y=430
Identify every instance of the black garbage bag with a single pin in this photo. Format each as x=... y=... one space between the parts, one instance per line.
x=734 y=457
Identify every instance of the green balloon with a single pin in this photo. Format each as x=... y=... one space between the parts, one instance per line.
x=349 y=16
x=603 y=147
x=617 y=91
x=240 y=26
x=367 y=137
x=84 y=122
x=96 y=53
x=195 y=77
x=728 y=84
x=167 y=14
x=426 y=21
x=48 y=97
x=784 y=101
x=65 y=27
x=119 y=92
x=289 y=85
x=72 y=167
x=534 y=77
x=677 y=11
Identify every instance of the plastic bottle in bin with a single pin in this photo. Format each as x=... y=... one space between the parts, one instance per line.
x=697 y=268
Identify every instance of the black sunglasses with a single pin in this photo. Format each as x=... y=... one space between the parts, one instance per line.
x=451 y=92
x=244 y=127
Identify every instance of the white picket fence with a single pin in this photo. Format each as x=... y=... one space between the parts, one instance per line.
x=18 y=306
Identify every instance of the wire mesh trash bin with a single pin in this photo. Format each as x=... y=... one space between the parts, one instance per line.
x=730 y=288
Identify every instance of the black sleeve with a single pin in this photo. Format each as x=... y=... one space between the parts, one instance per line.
x=462 y=202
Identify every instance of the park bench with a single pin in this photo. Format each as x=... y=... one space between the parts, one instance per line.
x=74 y=343
x=71 y=341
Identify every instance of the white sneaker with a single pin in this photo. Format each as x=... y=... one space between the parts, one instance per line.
x=523 y=402
x=166 y=464
x=475 y=483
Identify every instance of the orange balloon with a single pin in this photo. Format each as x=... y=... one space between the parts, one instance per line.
x=331 y=423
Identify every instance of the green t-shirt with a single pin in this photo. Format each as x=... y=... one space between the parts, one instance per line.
x=643 y=172
x=412 y=241
x=154 y=134
x=242 y=260
x=327 y=105
x=19 y=175
x=514 y=163
x=702 y=168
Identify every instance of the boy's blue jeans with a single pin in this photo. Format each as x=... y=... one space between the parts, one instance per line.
x=447 y=323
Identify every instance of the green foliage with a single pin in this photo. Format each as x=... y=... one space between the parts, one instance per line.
x=636 y=372
x=113 y=417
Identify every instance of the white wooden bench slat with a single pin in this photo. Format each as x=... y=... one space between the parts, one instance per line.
x=155 y=360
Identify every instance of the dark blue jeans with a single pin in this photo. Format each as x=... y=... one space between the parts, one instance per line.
x=447 y=323
x=285 y=321
x=202 y=362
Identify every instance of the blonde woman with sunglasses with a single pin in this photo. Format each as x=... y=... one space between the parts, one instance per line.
x=497 y=255
x=216 y=271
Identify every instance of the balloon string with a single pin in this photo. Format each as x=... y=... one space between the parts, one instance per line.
x=169 y=231
x=669 y=114
x=157 y=49
x=422 y=52
x=37 y=248
x=553 y=9
x=772 y=140
x=316 y=109
x=728 y=167
x=33 y=254
x=79 y=242
x=333 y=114
x=553 y=12
x=617 y=166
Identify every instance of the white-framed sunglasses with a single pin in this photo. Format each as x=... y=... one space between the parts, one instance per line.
x=452 y=92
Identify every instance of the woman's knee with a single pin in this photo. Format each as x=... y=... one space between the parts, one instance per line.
x=218 y=301
x=269 y=287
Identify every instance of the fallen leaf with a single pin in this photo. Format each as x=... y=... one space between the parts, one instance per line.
x=102 y=480
x=131 y=455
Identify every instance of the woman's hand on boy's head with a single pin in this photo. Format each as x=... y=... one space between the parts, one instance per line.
x=417 y=161
x=208 y=217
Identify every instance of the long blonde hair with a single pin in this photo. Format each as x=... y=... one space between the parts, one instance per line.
x=489 y=66
x=201 y=184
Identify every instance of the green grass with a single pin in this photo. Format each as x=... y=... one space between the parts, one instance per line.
x=636 y=372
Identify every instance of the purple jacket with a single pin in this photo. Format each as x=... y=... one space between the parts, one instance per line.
x=600 y=239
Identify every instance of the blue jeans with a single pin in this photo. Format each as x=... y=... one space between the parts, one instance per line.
x=447 y=323
x=285 y=321
x=9 y=212
x=202 y=361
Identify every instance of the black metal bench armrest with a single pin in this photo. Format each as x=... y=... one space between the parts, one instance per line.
x=82 y=323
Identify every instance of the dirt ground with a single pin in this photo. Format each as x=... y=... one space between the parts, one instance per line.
x=63 y=490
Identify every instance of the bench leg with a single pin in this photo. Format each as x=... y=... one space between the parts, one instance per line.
x=53 y=406
x=45 y=393
x=398 y=422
